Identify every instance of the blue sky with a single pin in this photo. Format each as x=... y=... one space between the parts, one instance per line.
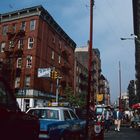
x=112 y=20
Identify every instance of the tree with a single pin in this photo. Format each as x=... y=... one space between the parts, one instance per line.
x=77 y=100
x=131 y=93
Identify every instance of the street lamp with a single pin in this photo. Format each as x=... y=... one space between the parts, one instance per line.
x=127 y=38
x=134 y=37
x=137 y=40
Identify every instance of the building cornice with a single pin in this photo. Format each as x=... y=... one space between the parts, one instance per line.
x=37 y=11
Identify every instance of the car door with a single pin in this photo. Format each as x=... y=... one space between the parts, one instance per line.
x=75 y=121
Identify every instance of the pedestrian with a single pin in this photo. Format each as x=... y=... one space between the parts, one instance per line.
x=107 y=117
x=117 y=119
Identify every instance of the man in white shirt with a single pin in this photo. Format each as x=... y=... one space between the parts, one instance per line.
x=117 y=117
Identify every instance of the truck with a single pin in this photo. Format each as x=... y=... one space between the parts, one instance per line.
x=58 y=123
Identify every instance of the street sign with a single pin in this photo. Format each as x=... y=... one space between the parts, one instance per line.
x=44 y=72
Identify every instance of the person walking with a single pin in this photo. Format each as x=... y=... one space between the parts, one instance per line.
x=107 y=117
x=117 y=117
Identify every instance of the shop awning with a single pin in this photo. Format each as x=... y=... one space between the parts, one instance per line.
x=136 y=106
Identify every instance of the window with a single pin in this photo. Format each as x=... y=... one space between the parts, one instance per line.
x=19 y=62
x=2 y=46
x=51 y=114
x=23 y=25
x=30 y=43
x=20 y=44
x=17 y=82
x=59 y=45
x=29 y=61
x=45 y=113
x=32 y=25
x=77 y=68
x=79 y=81
x=1 y=60
x=11 y=44
x=4 y=30
x=59 y=59
x=14 y=27
x=27 y=81
x=66 y=115
x=52 y=56
x=27 y=104
x=73 y=115
x=53 y=39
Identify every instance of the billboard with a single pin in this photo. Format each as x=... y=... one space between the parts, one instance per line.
x=44 y=72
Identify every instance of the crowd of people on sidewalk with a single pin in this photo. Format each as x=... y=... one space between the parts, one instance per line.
x=116 y=117
x=112 y=117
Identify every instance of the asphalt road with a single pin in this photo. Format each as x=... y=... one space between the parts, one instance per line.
x=126 y=133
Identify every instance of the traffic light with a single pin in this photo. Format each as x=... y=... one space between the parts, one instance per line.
x=54 y=74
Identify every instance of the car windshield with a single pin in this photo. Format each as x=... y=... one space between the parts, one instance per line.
x=99 y=110
x=45 y=113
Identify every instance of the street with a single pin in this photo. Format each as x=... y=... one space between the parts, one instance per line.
x=126 y=133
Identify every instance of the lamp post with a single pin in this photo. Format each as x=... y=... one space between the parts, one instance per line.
x=131 y=38
x=122 y=38
x=137 y=40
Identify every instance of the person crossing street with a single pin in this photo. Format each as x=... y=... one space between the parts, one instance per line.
x=117 y=119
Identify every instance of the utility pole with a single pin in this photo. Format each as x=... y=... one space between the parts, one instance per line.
x=89 y=67
x=57 y=89
x=120 y=103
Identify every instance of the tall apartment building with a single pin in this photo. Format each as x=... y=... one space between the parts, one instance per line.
x=30 y=39
x=82 y=56
x=104 y=90
x=81 y=72
x=99 y=84
x=136 y=17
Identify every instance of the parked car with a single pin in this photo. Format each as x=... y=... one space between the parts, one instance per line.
x=58 y=123
x=14 y=124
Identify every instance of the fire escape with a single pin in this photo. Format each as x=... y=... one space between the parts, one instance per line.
x=13 y=51
x=65 y=67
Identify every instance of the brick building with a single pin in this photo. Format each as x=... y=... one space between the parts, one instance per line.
x=82 y=56
x=30 y=39
x=99 y=84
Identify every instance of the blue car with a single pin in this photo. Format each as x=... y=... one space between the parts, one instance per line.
x=58 y=123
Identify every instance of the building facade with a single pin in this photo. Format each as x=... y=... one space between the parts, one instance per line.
x=31 y=39
x=136 y=17
x=97 y=82
x=81 y=74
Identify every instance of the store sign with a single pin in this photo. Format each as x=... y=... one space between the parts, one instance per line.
x=44 y=72
x=99 y=97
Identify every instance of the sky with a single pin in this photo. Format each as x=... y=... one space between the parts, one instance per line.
x=112 y=19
